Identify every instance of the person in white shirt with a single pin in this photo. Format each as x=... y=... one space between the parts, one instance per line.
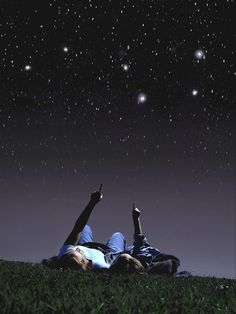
x=80 y=252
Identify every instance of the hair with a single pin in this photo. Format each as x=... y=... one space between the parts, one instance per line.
x=52 y=262
x=125 y=263
x=64 y=262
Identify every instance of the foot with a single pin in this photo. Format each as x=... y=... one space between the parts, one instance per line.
x=165 y=267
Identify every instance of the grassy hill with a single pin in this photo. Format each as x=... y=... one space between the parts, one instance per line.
x=32 y=288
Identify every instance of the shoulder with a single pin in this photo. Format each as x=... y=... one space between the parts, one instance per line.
x=66 y=249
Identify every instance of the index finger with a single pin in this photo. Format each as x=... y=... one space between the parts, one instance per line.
x=100 y=188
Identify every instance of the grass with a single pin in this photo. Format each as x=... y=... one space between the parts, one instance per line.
x=32 y=288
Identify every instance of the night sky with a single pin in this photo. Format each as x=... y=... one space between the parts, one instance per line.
x=136 y=95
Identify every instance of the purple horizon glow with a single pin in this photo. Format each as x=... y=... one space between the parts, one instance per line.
x=184 y=219
x=125 y=94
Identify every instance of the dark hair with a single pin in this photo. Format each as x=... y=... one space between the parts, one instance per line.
x=64 y=262
x=127 y=264
x=52 y=262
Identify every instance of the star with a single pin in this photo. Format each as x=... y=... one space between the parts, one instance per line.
x=65 y=49
x=199 y=54
x=125 y=67
x=142 y=98
x=27 y=67
x=194 y=92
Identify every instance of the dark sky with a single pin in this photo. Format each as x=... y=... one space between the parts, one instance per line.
x=136 y=95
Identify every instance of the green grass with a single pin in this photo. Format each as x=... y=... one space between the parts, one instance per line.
x=32 y=288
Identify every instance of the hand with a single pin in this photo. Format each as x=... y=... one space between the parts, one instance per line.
x=97 y=195
x=136 y=212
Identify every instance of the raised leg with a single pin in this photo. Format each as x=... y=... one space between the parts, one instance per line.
x=86 y=235
x=116 y=242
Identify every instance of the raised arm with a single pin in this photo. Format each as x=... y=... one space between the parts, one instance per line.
x=136 y=220
x=74 y=236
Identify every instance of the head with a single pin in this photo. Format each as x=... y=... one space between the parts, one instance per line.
x=74 y=260
x=125 y=263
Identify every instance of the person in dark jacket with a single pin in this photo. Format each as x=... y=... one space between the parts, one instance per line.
x=150 y=257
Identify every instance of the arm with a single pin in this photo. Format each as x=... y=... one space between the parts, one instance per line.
x=74 y=236
x=136 y=220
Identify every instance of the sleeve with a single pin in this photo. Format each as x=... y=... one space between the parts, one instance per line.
x=66 y=249
x=140 y=250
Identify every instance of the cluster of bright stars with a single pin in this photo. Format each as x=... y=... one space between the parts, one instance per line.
x=199 y=54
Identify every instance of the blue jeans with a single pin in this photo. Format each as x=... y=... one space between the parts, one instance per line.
x=116 y=244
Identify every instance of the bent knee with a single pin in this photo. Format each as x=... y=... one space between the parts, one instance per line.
x=87 y=228
x=118 y=234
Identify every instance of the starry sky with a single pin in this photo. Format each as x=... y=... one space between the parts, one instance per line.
x=136 y=95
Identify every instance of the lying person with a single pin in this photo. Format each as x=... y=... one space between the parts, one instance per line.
x=151 y=258
x=142 y=257
x=80 y=252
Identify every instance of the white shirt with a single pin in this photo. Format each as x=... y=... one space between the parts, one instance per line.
x=96 y=256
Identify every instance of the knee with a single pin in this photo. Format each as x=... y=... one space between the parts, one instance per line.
x=87 y=228
x=119 y=234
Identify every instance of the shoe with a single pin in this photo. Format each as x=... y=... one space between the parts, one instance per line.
x=166 y=267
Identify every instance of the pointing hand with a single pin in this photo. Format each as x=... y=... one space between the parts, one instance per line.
x=97 y=195
x=136 y=212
